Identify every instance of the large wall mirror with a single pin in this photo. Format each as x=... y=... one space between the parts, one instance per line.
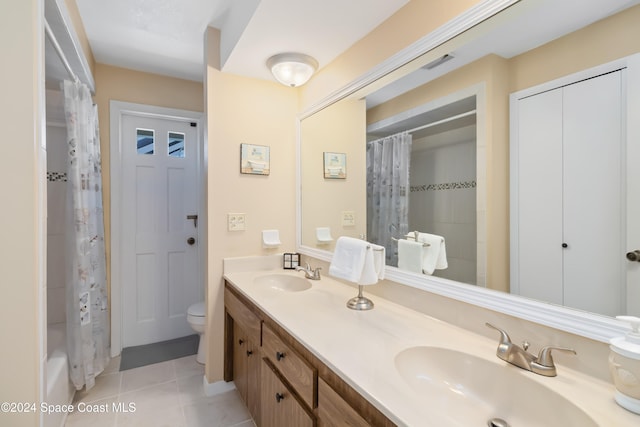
x=453 y=104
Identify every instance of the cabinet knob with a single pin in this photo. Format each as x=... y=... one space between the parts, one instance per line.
x=279 y=397
x=279 y=355
x=240 y=341
x=564 y=245
x=249 y=352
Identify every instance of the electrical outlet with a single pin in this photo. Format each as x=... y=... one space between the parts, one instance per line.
x=236 y=221
x=348 y=218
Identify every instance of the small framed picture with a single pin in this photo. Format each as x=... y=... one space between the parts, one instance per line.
x=254 y=159
x=335 y=165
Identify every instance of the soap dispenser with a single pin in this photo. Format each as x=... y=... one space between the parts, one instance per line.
x=624 y=365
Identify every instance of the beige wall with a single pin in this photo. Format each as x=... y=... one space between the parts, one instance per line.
x=243 y=110
x=120 y=84
x=604 y=41
x=408 y=25
x=339 y=129
x=23 y=236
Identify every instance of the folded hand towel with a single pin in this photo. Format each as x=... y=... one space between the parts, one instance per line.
x=373 y=269
x=348 y=259
x=410 y=255
x=436 y=253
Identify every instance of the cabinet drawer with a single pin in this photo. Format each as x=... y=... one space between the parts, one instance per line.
x=333 y=410
x=244 y=317
x=279 y=406
x=293 y=367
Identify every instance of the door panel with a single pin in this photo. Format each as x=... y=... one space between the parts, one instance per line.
x=160 y=272
x=540 y=197
x=594 y=257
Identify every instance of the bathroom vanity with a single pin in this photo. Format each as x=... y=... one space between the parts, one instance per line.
x=280 y=380
x=300 y=357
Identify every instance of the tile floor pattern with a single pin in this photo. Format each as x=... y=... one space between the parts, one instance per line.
x=166 y=394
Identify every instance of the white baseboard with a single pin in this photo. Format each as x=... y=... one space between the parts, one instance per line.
x=218 y=387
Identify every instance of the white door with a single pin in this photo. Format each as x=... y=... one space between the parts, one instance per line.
x=160 y=272
x=571 y=196
x=594 y=192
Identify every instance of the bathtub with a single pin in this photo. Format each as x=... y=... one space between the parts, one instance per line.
x=60 y=391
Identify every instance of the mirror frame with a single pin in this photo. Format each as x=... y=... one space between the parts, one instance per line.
x=589 y=325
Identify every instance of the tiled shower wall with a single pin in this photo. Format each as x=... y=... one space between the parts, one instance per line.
x=56 y=210
x=443 y=202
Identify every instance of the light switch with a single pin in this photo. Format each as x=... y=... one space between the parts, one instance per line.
x=236 y=221
x=348 y=218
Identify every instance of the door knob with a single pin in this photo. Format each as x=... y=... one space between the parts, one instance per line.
x=634 y=255
x=191 y=240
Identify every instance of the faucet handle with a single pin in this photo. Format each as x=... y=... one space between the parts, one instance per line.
x=544 y=357
x=504 y=337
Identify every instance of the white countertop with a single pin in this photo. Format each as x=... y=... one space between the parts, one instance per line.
x=360 y=346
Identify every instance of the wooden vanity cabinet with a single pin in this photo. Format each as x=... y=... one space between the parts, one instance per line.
x=286 y=385
x=333 y=410
x=243 y=336
x=291 y=366
x=246 y=369
x=279 y=404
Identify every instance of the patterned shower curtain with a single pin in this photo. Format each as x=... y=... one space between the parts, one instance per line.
x=86 y=288
x=388 y=162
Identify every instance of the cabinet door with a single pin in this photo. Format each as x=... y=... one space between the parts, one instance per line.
x=254 y=366
x=240 y=368
x=279 y=407
x=333 y=410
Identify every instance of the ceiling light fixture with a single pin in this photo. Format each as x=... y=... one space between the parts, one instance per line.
x=292 y=69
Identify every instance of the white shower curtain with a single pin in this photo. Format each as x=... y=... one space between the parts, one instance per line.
x=388 y=162
x=86 y=289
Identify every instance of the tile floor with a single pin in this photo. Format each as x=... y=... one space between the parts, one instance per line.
x=167 y=394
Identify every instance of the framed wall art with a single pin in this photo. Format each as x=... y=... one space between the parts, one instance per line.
x=254 y=159
x=335 y=165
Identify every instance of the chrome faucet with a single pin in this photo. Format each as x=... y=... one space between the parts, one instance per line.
x=520 y=357
x=310 y=273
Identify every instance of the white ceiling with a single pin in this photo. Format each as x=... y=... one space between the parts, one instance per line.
x=166 y=36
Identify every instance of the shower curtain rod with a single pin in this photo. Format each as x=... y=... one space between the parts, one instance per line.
x=439 y=122
x=58 y=49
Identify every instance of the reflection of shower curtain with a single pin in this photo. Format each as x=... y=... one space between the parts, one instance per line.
x=388 y=191
x=87 y=317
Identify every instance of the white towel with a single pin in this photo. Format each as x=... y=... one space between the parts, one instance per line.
x=373 y=269
x=436 y=253
x=411 y=255
x=348 y=259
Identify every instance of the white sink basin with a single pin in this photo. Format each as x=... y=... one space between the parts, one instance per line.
x=470 y=391
x=283 y=282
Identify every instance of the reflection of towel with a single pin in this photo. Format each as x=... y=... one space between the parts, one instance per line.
x=356 y=260
x=373 y=269
x=436 y=253
x=348 y=259
x=410 y=255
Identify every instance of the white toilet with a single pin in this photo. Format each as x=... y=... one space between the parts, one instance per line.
x=196 y=318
